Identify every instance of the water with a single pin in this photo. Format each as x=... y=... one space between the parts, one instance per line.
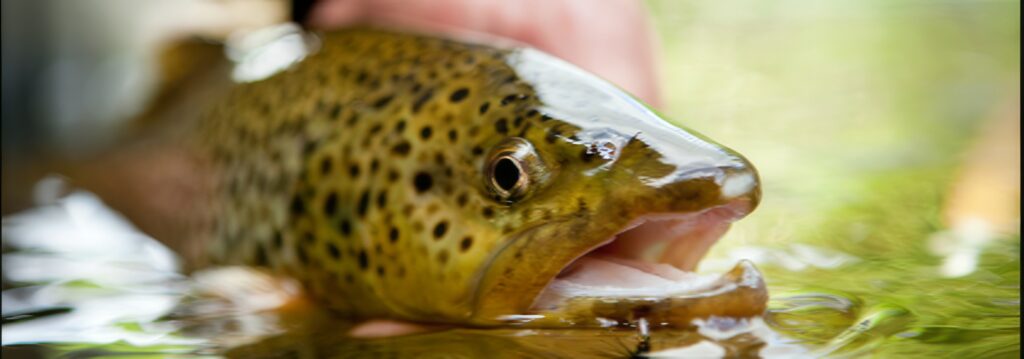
x=864 y=119
x=83 y=282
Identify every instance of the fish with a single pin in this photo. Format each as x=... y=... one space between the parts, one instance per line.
x=436 y=179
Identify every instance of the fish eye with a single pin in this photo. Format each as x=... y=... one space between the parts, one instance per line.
x=507 y=174
x=512 y=169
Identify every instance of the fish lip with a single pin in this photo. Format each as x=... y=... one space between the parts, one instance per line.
x=478 y=277
x=720 y=215
x=483 y=282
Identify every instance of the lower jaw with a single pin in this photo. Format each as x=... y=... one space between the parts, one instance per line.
x=646 y=272
x=738 y=293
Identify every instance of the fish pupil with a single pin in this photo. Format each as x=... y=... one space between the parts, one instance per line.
x=506 y=174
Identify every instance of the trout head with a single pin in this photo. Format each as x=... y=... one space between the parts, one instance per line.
x=606 y=178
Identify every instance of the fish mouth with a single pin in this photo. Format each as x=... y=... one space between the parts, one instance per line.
x=652 y=256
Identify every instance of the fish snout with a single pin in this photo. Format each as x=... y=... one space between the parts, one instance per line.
x=740 y=186
x=734 y=187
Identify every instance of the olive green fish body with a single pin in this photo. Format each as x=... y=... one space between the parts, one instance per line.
x=356 y=170
x=426 y=179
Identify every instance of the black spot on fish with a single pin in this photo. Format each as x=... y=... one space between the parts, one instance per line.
x=330 y=204
x=364 y=262
x=462 y=199
x=484 y=107
x=374 y=165
x=382 y=199
x=333 y=251
x=422 y=182
x=487 y=212
x=442 y=256
x=459 y=95
x=400 y=127
x=345 y=227
x=522 y=133
x=509 y=99
x=364 y=203
x=393 y=235
x=466 y=243
x=402 y=148
x=380 y=271
x=477 y=150
x=325 y=165
x=375 y=129
x=501 y=126
x=309 y=147
x=581 y=206
x=425 y=132
x=453 y=135
x=335 y=111
x=298 y=207
x=552 y=135
x=440 y=229
x=588 y=154
x=421 y=100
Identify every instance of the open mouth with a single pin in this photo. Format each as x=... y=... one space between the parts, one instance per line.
x=654 y=256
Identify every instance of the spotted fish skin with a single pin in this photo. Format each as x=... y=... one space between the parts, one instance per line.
x=418 y=178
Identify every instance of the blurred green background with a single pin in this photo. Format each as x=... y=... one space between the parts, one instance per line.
x=859 y=115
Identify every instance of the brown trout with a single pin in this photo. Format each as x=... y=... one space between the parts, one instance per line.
x=425 y=179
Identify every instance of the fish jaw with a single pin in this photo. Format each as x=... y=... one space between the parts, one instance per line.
x=645 y=254
x=647 y=271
